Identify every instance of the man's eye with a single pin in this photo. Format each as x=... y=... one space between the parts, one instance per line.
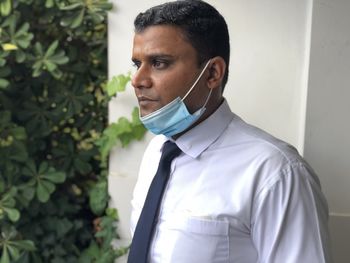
x=159 y=64
x=136 y=64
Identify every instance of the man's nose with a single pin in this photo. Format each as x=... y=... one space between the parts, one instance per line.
x=141 y=78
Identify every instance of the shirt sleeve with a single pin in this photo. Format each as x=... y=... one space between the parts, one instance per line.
x=290 y=219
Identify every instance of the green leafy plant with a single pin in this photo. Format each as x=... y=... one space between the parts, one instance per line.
x=54 y=133
x=124 y=130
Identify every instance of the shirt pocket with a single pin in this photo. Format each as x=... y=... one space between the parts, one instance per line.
x=198 y=240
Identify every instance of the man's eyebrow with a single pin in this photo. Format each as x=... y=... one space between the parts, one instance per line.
x=161 y=56
x=154 y=56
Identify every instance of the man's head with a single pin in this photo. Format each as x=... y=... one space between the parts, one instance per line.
x=202 y=25
x=179 y=45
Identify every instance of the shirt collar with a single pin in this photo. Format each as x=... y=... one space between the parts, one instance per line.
x=200 y=137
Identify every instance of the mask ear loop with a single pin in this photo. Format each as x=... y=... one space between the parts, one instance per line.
x=206 y=102
x=195 y=83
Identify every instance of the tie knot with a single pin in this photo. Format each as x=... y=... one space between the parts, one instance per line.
x=170 y=151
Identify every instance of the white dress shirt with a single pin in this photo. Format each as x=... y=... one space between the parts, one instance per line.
x=235 y=195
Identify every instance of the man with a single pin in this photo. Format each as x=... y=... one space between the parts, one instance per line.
x=233 y=193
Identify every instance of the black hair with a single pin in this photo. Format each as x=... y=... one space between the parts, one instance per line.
x=202 y=25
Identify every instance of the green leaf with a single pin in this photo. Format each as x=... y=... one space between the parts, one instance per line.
x=8 y=202
x=44 y=190
x=14 y=252
x=90 y=254
x=42 y=193
x=55 y=177
x=20 y=56
x=19 y=133
x=98 y=197
x=37 y=72
x=12 y=213
x=113 y=213
x=71 y=7
x=82 y=166
x=104 y=6
x=49 y=3
x=57 y=74
x=27 y=245
x=38 y=48
x=112 y=134
x=117 y=84
x=66 y=21
x=49 y=186
x=29 y=169
x=96 y=17
x=23 y=29
x=24 y=41
x=50 y=65
x=38 y=65
x=18 y=152
x=51 y=50
x=123 y=126
x=78 y=19
x=44 y=166
x=4 y=83
x=5 y=258
x=63 y=226
x=5 y=7
x=10 y=194
x=28 y=193
x=59 y=58
x=135 y=115
x=138 y=129
x=126 y=138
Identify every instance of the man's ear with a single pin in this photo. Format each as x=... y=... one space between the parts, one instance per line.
x=217 y=69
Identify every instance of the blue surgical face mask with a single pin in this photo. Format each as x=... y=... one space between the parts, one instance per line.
x=174 y=117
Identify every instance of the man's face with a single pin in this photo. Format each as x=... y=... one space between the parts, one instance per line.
x=167 y=66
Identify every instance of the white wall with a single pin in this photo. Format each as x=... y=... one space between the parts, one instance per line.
x=269 y=63
x=327 y=140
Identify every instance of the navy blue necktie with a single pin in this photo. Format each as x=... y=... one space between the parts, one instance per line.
x=148 y=219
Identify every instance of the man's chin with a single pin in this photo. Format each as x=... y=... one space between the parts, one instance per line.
x=144 y=110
